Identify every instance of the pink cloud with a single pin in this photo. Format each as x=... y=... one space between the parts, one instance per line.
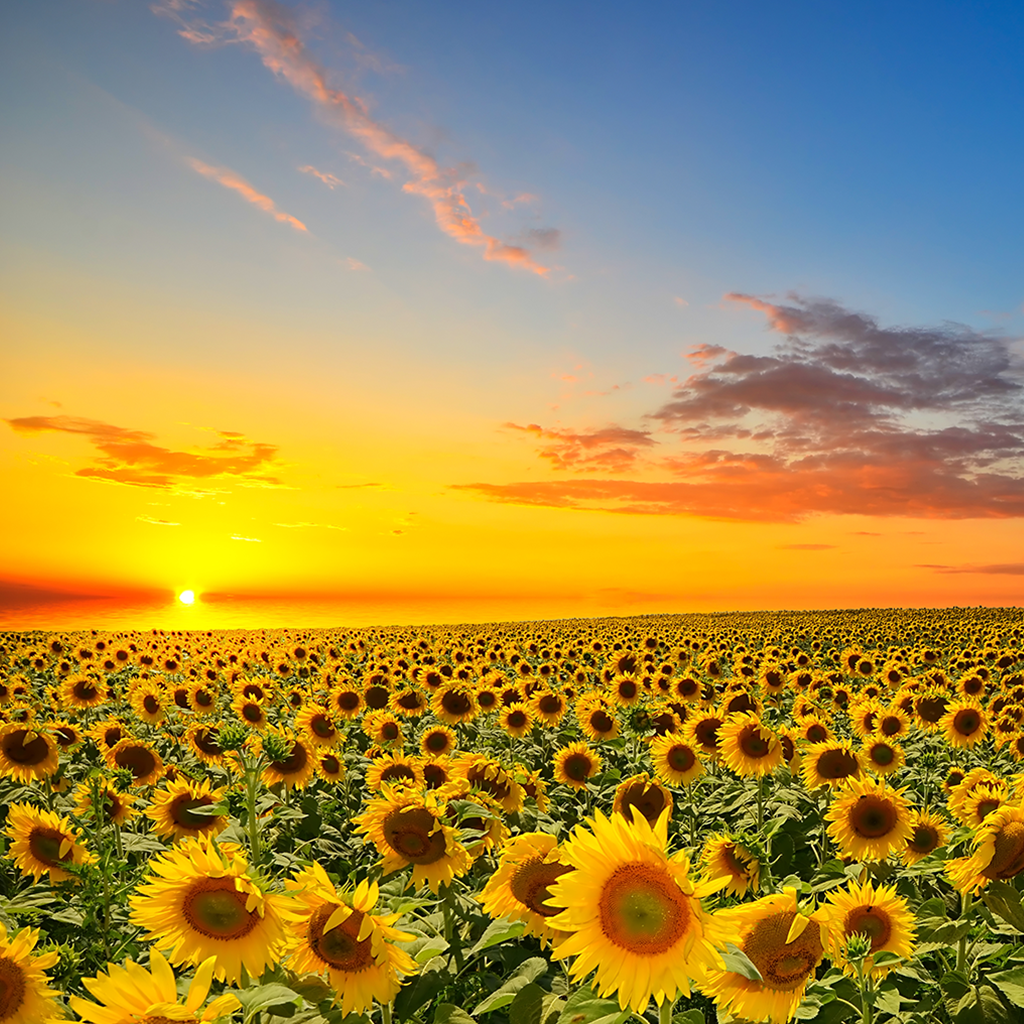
x=235 y=182
x=613 y=448
x=327 y=178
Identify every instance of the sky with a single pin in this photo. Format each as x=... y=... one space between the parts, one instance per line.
x=416 y=312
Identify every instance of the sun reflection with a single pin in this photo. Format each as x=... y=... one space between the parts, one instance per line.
x=187 y=596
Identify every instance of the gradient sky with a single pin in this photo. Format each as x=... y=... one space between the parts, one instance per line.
x=673 y=307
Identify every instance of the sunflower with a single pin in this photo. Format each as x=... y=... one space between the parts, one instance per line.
x=81 y=692
x=251 y=712
x=928 y=832
x=879 y=914
x=575 y=764
x=145 y=764
x=437 y=771
x=295 y=768
x=26 y=754
x=185 y=808
x=642 y=793
x=346 y=701
x=491 y=777
x=783 y=945
x=548 y=706
x=478 y=818
x=965 y=723
x=438 y=741
x=25 y=995
x=723 y=857
x=675 y=761
x=394 y=770
x=316 y=725
x=201 y=901
x=117 y=807
x=634 y=912
x=883 y=757
x=533 y=786
x=335 y=935
x=702 y=731
x=961 y=792
x=148 y=701
x=409 y=703
x=517 y=720
x=814 y=730
x=998 y=851
x=108 y=734
x=981 y=802
x=748 y=746
x=42 y=842
x=829 y=764
x=868 y=820
x=202 y=698
x=454 y=704
x=864 y=714
x=131 y=993
x=329 y=766
x=528 y=866
x=383 y=729
x=408 y=828
x=597 y=718
x=929 y=709
x=202 y=739
x=65 y=734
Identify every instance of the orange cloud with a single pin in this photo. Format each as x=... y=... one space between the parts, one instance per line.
x=326 y=177
x=614 y=448
x=269 y=28
x=130 y=457
x=235 y=182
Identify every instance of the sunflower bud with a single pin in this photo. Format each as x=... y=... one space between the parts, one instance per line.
x=232 y=736
x=276 y=746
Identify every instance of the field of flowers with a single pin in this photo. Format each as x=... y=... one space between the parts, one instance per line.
x=735 y=817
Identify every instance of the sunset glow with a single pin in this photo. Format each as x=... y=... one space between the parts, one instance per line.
x=343 y=317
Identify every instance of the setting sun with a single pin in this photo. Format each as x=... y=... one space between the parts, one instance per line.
x=187 y=596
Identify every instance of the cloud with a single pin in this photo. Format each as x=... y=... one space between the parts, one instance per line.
x=353 y=264
x=356 y=487
x=248 y=540
x=235 y=182
x=270 y=29
x=156 y=522
x=806 y=547
x=843 y=417
x=613 y=449
x=1004 y=569
x=129 y=456
x=328 y=179
x=679 y=301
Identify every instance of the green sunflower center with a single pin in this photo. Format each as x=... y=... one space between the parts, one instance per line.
x=642 y=910
x=216 y=912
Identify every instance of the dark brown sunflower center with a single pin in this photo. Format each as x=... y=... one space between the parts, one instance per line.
x=330 y=764
x=477 y=776
x=882 y=754
x=65 y=736
x=204 y=698
x=252 y=713
x=873 y=816
x=578 y=767
x=151 y=704
x=138 y=760
x=785 y=966
x=891 y=725
x=1008 y=852
x=167 y=1020
x=322 y=726
x=627 y=689
x=924 y=840
x=737 y=868
x=986 y=807
x=549 y=704
x=390 y=731
x=15 y=749
x=416 y=835
x=348 y=701
x=753 y=743
x=398 y=773
x=437 y=741
x=12 y=987
x=966 y=722
x=294 y=763
x=532 y=882
x=339 y=948
x=931 y=709
x=456 y=703
x=601 y=722
x=85 y=690
x=206 y=741
x=434 y=775
x=44 y=844
x=642 y=910
x=648 y=799
x=872 y=922
x=681 y=758
x=816 y=733
x=377 y=697
x=410 y=701
x=517 y=719
x=837 y=764
x=182 y=812
x=214 y=908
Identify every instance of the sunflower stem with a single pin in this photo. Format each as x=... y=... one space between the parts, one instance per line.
x=252 y=824
x=866 y=995
x=760 y=803
x=385 y=1013
x=665 y=1011
x=961 y=951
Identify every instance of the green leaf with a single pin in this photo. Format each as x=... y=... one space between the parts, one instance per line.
x=267 y=997
x=1005 y=901
x=1011 y=984
x=739 y=963
x=954 y=985
x=498 y=931
x=528 y=1005
x=584 y=1006
x=886 y=957
x=418 y=991
x=431 y=947
x=982 y=1005
x=449 y=1013
x=689 y=1017
x=528 y=971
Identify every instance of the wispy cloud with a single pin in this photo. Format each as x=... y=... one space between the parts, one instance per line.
x=353 y=264
x=806 y=547
x=271 y=30
x=1003 y=569
x=156 y=522
x=130 y=457
x=330 y=180
x=235 y=182
x=248 y=540
x=843 y=417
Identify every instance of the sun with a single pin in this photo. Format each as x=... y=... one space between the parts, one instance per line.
x=187 y=596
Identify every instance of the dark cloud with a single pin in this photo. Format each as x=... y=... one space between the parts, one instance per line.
x=1004 y=569
x=130 y=457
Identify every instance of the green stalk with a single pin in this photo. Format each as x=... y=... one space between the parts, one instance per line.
x=252 y=825
x=865 y=986
x=385 y=1013
x=760 y=804
x=961 y=952
x=665 y=1011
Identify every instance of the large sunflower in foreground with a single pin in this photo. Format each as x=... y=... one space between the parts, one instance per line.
x=201 y=901
x=869 y=820
x=879 y=914
x=25 y=996
x=42 y=842
x=998 y=851
x=519 y=890
x=635 y=913
x=783 y=945
x=408 y=828
x=336 y=935
x=131 y=993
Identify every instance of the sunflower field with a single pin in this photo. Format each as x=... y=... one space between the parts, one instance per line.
x=677 y=819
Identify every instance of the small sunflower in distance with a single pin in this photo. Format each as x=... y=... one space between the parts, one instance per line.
x=634 y=913
x=200 y=901
x=676 y=761
x=879 y=914
x=723 y=857
x=131 y=993
x=869 y=820
x=25 y=994
x=575 y=764
x=43 y=843
x=785 y=947
x=528 y=866
x=748 y=746
x=336 y=936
